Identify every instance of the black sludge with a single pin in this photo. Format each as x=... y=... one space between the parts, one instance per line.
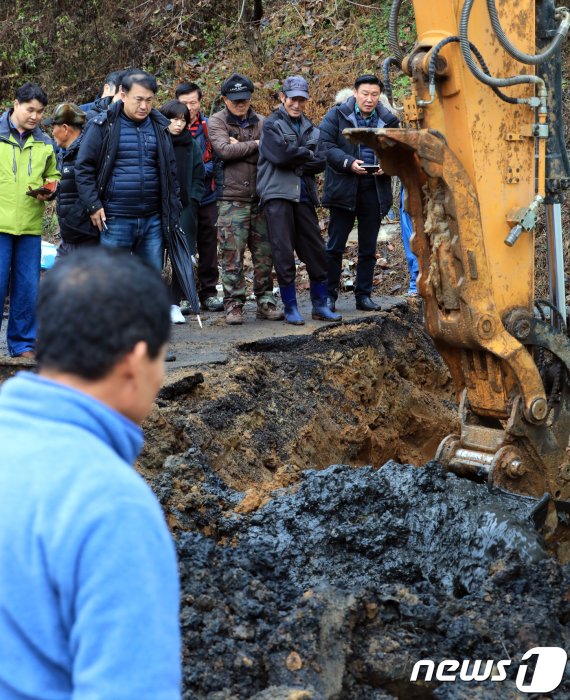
x=337 y=586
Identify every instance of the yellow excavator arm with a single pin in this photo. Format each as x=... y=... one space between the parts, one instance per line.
x=480 y=156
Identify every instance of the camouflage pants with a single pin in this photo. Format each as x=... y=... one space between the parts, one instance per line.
x=241 y=225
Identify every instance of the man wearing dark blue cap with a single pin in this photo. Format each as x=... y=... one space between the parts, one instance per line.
x=355 y=186
x=289 y=158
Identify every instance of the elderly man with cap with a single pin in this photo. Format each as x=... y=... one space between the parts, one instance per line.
x=75 y=226
x=289 y=158
x=235 y=133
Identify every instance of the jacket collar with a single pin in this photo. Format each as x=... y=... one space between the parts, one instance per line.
x=34 y=395
x=305 y=122
x=347 y=110
x=37 y=134
x=103 y=103
x=74 y=146
x=117 y=107
x=251 y=117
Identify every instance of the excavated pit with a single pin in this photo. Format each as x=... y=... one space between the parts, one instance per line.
x=302 y=580
x=359 y=393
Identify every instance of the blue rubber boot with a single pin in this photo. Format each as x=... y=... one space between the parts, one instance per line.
x=289 y=299
x=321 y=311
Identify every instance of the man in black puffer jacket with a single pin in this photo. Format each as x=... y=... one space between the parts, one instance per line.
x=126 y=172
x=75 y=227
x=353 y=191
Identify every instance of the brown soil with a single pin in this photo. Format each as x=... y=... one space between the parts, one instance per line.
x=360 y=393
x=304 y=580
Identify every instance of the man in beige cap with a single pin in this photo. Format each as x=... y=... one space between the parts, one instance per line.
x=76 y=229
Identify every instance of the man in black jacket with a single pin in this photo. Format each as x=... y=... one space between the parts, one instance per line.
x=355 y=186
x=109 y=95
x=126 y=172
x=288 y=161
x=75 y=227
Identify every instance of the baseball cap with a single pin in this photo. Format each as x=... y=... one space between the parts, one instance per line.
x=66 y=113
x=237 y=87
x=296 y=86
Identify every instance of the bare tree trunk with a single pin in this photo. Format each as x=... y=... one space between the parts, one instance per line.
x=251 y=28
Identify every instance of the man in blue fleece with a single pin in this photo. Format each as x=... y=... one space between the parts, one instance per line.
x=88 y=578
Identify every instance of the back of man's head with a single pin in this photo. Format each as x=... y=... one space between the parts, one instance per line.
x=111 y=82
x=138 y=77
x=93 y=308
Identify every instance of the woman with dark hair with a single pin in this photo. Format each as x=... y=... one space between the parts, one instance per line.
x=190 y=169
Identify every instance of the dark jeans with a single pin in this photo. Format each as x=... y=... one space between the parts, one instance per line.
x=20 y=258
x=294 y=228
x=141 y=235
x=369 y=215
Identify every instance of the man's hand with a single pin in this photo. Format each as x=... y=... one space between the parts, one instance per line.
x=355 y=167
x=98 y=219
x=50 y=185
x=232 y=140
x=379 y=172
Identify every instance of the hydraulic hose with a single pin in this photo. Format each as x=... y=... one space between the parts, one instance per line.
x=478 y=73
x=520 y=56
x=386 y=63
x=478 y=56
x=393 y=32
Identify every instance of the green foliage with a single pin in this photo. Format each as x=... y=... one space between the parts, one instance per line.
x=50 y=224
x=26 y=52
x=373 y=28
x=68 y=47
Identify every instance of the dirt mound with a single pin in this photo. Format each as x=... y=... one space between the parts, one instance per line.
x=360 y=393
x=302 y=581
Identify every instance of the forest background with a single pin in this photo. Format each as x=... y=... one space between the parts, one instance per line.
x=68 y=47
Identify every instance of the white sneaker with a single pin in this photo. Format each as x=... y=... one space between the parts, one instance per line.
x=176 y=315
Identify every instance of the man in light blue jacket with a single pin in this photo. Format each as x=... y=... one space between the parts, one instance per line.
x=89 y=591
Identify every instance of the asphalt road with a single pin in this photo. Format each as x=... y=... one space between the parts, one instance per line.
x=194 y=346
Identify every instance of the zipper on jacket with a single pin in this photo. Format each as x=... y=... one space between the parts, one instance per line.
x=104 y=177
x=165 y=137
x=141 y=145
